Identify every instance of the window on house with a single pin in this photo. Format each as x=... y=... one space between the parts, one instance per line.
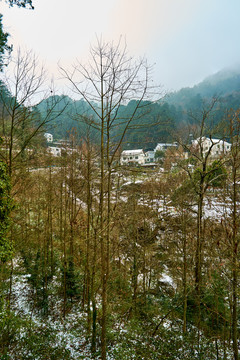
x=124 y=158
x=136 y=157
x=130 y=158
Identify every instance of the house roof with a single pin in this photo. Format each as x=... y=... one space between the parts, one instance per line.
x=166 y=144
x=214 y=141
x=132 y=152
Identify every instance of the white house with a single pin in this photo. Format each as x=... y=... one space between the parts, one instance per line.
x=55 y=151
x=149 y=156
x=132 y=157
x=218 y=147
x=49 y=137
x=164 y=146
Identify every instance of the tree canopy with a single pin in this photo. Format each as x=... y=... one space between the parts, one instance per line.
x=20 y=3
x=4 y=47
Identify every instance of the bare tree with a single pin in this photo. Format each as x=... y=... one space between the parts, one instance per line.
x=199 y=180
x=232 y=223
x=20 y=121
x=110 y=80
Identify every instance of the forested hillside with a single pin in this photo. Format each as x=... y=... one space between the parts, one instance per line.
x=157 y=123
x=224 y=85
x=221 y=84
x=160 y=121
x=152 y=123
x=102 y=261
x=170 y=278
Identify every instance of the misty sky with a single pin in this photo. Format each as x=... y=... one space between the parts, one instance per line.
x=187 y=40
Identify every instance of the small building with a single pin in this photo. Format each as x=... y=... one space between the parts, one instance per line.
x=132 y=157
x=217 y=147
x=149 y=156
x=49 y=137
x=55 y=151
x=165 y=146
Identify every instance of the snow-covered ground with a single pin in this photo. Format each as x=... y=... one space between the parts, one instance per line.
x=69 y=333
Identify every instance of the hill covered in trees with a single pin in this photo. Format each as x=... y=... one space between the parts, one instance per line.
x=152 y=122
x=223 y=84
x=112 y=262
x=157 y=122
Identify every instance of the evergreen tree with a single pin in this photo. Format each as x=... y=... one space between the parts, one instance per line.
x=4 y=47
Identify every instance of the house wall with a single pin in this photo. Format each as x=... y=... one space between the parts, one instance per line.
x=55 y=151
x=219 y=147
x=49 y=137
x=149 y=157
x=132 y=157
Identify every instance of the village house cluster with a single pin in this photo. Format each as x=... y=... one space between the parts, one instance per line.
x=215 y=147
x=57 y=148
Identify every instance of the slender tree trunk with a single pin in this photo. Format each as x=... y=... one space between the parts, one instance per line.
x=65 y=251
x=102 y=237
x=198 y=262
x=234 y=269
x=50 y=221
x=89 y=207
x=93 y=299
x=184 y=275
x=198 y=265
